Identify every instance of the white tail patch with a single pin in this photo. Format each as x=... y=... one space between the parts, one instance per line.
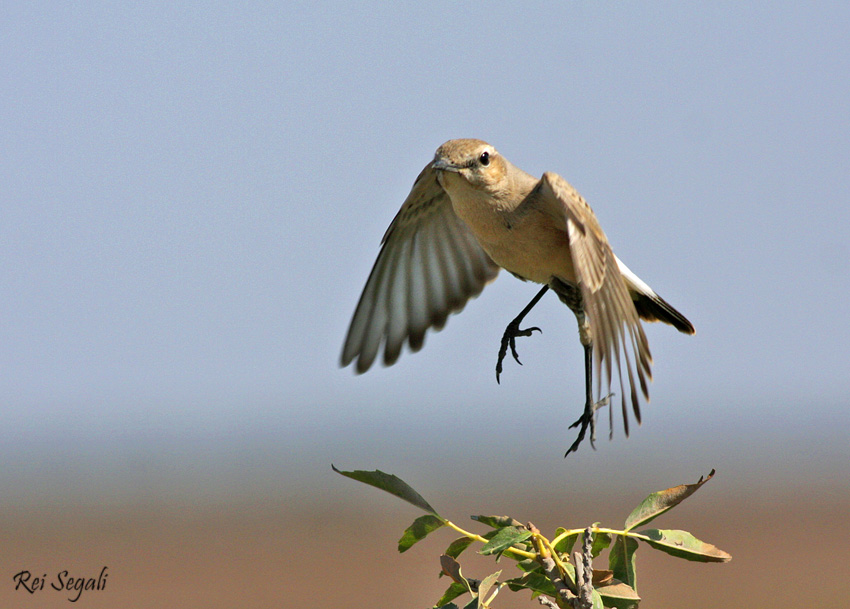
x=634 y=282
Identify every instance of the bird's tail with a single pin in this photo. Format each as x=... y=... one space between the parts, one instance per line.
x=650 y=306
x=655 y=308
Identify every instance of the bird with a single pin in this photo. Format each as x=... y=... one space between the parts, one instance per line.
x=471 y=213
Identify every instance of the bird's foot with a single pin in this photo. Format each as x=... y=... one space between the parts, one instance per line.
x=588 y=419
x=512 y=332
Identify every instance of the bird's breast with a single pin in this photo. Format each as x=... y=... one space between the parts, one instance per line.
x=530 y=245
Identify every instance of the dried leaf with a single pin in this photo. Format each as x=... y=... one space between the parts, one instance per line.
x=602 y=577
x=451 y=567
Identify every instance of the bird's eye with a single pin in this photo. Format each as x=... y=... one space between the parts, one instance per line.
x=484 y=158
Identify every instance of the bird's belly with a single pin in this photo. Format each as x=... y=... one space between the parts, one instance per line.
x=532 y=250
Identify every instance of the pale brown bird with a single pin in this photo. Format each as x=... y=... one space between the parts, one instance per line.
x=471 y=212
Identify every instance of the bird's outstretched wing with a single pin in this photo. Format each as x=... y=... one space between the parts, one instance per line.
x=614 y=323
x=429 y=266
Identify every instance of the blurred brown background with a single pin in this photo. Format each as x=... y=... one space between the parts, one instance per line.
x=304 y=536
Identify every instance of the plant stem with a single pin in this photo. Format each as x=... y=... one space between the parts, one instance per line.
x=596 y=530
x=513 y=551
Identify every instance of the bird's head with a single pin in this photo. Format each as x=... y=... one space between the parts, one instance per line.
x=470 y=163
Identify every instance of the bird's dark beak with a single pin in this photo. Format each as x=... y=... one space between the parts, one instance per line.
x=444 y=165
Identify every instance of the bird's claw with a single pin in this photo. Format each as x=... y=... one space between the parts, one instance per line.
x=512 y=341
x=587 y=419
x=512 y=332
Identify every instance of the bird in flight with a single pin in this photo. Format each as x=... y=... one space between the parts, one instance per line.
x=471 y=212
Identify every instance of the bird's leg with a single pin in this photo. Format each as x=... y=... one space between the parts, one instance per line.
x=588 y=418
x=513 y=331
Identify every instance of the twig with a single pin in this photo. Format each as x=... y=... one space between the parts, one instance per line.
x=545 y=600
x=554 y=575
x=584 y=572
x=582 y=597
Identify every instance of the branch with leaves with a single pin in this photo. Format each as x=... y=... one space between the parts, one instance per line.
x=545 y=566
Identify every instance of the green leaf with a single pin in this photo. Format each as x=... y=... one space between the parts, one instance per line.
x=683 y=545
x=391 y=484
x=451 y=567
x=504 y=539
x=600 y=542
x=564 y=545
x=528 y=564
x=485 y=585
x=621 y=560
x=570 y=575
x=497 y=522
x=451 y=593
x=473 y=604
x=618 y=596
x=457 y=546
x=417 y=531
x=658 y=503
x=535 y=581
x=597 y=600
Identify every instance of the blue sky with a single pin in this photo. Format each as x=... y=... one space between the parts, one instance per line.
x=192 y=198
